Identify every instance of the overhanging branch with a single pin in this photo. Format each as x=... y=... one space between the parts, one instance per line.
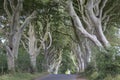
x=9 y=51
x=12 y=5
x=6 y=9
x=24 y=45
x=67 y=35
x=102 y=7
x=50 y=40
x=79 y=25
x=28 y=20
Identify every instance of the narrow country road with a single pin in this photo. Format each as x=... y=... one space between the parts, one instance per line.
x=60 y=77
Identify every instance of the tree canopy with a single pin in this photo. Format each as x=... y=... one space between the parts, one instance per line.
x=59 y=35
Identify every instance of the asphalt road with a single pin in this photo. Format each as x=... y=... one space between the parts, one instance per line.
x=60 y=77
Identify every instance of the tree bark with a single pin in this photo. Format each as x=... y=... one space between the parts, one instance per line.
x=78 y=25
x=53 y=60
x=12 y=51
x=96 y=22
x=32 y=47
x=79 y=56
x=87 y=53
x=15 y=30
x=33 y=63
x=11 y=63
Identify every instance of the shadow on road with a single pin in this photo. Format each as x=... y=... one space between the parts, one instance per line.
x=60 y=77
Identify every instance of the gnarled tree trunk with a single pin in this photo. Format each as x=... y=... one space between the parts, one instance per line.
x=15 y=29
x=87 y=22
x=91 y=20
x=32 y=48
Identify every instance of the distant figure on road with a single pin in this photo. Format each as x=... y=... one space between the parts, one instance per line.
x=67 y=72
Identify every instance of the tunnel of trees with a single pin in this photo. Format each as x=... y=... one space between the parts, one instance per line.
x=57 y=36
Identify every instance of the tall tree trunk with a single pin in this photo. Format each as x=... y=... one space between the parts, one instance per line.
x=58 y=62
x=92 y=19
x=79 y=26
x=87 y=53
x=57 y=67
x=11 y=62
x=15 y=29
x=96 y=20
x=53 y=60
x=12 y=51
x=79 y=55
x=33 y=63
x=32 y=48
x=102 y=37
x=46 y=41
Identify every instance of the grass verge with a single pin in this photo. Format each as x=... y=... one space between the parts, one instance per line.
x=21 y=76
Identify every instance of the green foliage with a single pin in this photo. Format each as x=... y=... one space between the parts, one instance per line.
x=67 y=63
x=112 y=34
x=40 y=62
x=3 y=62
x=107 y=63
x=19 y=76
x=23 y=62
x=50 y=11
x=94 y=76
x=108 y=77
x=45 y=1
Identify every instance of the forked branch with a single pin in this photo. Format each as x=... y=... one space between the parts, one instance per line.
x=6 y=9
x=28 y=20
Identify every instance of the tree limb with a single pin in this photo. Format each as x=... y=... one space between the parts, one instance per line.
x=12 y=5
x=38 y=50
x=102 y=7
x=107 y=11
x=50 y=40
x=90 y=12
x=24 y=46
x=83 y=13
x=67 y=35
x=43 y=44
x=9 y=51
x=80 y=27
x=97 y=2
x=6 y=9
x=105 y=23
x=26 y=37
x=28 y=20
x=15 y=17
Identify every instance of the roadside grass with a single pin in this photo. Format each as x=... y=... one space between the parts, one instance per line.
x=109 y=77
x=21 y=76
x=94 y=76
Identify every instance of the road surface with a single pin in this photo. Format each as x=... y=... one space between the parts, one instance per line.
x=60 y=77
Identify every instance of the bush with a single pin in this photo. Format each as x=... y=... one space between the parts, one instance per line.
x=22 y=63
x=20 y=76
x=107 y=63
x=3 y=63
x=110 y=77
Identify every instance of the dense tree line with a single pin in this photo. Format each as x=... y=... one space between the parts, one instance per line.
x=54 y=33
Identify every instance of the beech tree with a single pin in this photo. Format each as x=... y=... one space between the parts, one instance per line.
x=13 y=10
x=30 y=44
x=39 y=37
x=88 y=23
x=90 y=19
